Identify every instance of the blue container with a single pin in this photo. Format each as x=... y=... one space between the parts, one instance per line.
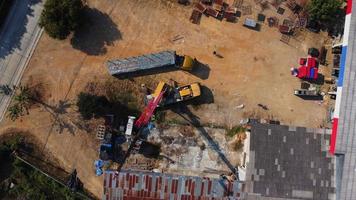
x=312 y=72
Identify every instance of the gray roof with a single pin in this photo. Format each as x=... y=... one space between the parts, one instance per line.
x=143 y=62
x=290 y=163
x=346 y=133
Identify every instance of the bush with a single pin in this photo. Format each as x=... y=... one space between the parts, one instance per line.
x=60 y=17
x=31 y=184
x=21 y=102
x=28 y=182
x=238 y=145
x=90 y=105
x=235 y=130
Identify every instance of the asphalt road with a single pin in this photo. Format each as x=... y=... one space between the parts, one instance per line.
x=18 y=39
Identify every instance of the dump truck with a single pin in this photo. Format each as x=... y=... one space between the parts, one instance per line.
x=157 y=61
x=174 y=94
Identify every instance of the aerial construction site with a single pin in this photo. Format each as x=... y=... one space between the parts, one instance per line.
x=175 y=99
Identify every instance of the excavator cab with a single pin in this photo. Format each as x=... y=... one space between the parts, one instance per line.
x=189 y=91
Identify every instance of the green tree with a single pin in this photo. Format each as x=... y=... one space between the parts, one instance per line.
x=21 y=102
x=14 y=112
x=60 y=17
x=324 y=11
x=23 y=97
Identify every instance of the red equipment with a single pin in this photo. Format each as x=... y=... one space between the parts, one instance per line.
x=308 y=68
x=148 y=112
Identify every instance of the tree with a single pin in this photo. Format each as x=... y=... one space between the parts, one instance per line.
x=21 y=102
x=324 y=11
x=14 y=112
x=60 y=17
x=23 y=97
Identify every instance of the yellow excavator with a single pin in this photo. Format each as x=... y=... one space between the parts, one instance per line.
x=174 y=94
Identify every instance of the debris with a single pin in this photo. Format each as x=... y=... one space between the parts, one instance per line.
x=264 y=107
x=244 y=121
x=240 y=106
x=217 y=54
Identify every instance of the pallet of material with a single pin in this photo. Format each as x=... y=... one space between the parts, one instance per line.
x=195 y=17
x=200 y=7
x=230 y=17
x=212 y=12
x=284 y=29
x=231 y=10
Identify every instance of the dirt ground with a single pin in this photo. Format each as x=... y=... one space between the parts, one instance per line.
x=255 y=68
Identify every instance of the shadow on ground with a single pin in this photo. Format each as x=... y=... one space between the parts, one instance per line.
x=14 y=27
x=319 y=81
x=312 y=98
x=183 y=111
x=159 y=70
x=201 y=70
x=97 y=32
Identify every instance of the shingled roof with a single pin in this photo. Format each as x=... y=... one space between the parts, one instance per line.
x=290 y=163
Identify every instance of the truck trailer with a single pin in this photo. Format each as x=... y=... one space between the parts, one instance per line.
x=159 y=61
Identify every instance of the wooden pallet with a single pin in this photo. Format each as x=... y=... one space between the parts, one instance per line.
x=285 y=38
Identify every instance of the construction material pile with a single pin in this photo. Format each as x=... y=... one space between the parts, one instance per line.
x=214 y=8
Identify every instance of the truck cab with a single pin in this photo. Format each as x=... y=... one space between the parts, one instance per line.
x=185 y=62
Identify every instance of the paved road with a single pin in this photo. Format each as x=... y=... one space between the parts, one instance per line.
x=18 y=39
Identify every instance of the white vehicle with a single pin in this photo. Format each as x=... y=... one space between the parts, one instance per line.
x=304 y=92
x=129 y=125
